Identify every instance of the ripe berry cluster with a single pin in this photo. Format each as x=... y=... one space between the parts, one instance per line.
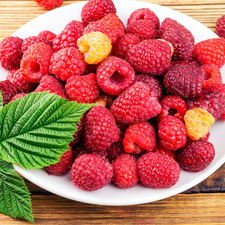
x=157 y=93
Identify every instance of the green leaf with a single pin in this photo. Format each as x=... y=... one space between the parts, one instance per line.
x=1 y=100
x=35 y=130
x=14 y=196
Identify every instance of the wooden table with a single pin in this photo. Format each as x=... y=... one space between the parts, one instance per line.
x=202 y=204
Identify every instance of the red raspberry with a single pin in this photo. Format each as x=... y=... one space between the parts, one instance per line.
x=136 y=104
x=196 y=155
x=10 y=52
x=66 y=63
x=173 y=105
x=114 y=75
x=164 y=151
x=158 y=171
x=63 y=166
x=49 y=4
x=116 y=149
x=144 y=14
x=111 y=25
x=83 y=89
x=15 y=76
x=8 y=90
x=35 y=62
x=95 y=10
x=144 y=29
x=49 y=83
x=184 y=81
x=90 y=68
x=123 y=43
x=150 y=56
x=68 y=37
x=49 y=35
x=172 y=133
x=125 y=171
x=220 y=26
x=139 y=137
x=91 y=172
x=100 y=129
x=152 y=82
x=210 y=51
x=213 y=102
x=191 y=62
x=17 y=96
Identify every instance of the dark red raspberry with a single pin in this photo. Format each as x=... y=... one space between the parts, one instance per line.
x=164 y=151
x=172 y=133
x=114 y=75
x=95 y=10
x=137 y=103
x=210 y=51
x=196 y=155
x=91 y=172
x=123 y=43
x=152 y=82
x=144 y=29
x=116 y=149
x=150 y=56
x=51 y=84
x=125 y=171
x=213 y=102
x=49 y=35
x=111 y=25
x=220 y=26
x=66 y=63
x=68 y=37
x=8 y=90
x=139 y=137
x=63 y=166
x=100 y=129
x=158 y=171
x=49 y=4
x=82 y=89
x=184 y=81
x=144 y=14
x=17 y=96
x=10 y=52
x=90 y=68
x=35 y=62
x=191 y=62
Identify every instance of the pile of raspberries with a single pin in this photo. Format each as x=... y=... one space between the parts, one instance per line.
x=156 y=94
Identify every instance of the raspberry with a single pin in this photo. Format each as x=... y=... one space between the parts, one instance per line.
x=191 y=62
x=166 y=152
x=10 y=52
x=35 y=62
x=173 y=105
x=211 y=75
x=152 y=82
x=83 y=89
x=49 y=4
x=69 y=36
x=66 y=63
x=139 y=137
x=184 y=81
x=150 y=56
x=111 y=25
x=144 y=14
x=95 y=46
x=196 y=155
x=17 y=96
x=210 y=51
x=51 y=84
x=91 y=172
x=220 y=26
x=63 y=166
x=49 y=35
x=125 y=171
x=114 y=75
x=197 y=122
x=116 y=149
x=213 y=102
x=95 y=10
x=136 y=104
x=100 y=129
x=123 y=43
x=158 y=171
x=8 y=90
x=172 y=133
x=144 y=29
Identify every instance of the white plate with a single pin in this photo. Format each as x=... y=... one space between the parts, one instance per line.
x=55 y=21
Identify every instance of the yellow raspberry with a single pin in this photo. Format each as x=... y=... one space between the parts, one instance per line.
x=95 y=46
x=197 y=122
